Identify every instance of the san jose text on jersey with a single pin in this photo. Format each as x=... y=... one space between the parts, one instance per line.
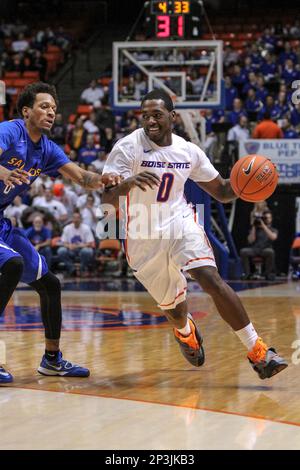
x=20 y=152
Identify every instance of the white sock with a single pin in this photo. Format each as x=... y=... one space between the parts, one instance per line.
x=248 y=336
x=186 y=330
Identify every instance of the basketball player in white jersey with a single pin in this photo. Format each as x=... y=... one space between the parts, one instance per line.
x=155 y=164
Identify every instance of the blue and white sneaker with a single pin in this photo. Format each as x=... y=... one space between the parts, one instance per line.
x=5 y=377
x=62 y=368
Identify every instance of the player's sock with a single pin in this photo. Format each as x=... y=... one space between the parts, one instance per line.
x=51 y=356
x=248 y=336
x=186 y=330
x=11 y=273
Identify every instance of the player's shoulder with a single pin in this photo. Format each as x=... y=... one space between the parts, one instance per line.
x=190 y=147
x=129 y=141
x=13 y=124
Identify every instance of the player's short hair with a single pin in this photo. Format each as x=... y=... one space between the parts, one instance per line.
x=159 y=95
x=28 y=95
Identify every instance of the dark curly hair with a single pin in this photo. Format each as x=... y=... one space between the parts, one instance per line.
x=28 y=95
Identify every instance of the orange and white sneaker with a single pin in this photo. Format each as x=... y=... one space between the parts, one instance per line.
x=265 y=361
x=191 y=345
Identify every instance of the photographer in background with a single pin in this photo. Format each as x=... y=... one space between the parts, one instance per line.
x=261 y=238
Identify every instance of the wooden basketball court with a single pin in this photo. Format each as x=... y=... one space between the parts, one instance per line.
x=141 y=393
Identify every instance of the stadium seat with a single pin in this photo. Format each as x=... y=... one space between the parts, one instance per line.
x=84 y=109
x=31 y=74
x=12 y=75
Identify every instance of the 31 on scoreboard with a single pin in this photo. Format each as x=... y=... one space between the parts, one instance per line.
x=173 y=18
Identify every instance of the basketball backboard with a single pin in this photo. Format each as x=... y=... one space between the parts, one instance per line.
x=191 y=71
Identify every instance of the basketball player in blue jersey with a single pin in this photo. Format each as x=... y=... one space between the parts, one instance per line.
x=25 y=153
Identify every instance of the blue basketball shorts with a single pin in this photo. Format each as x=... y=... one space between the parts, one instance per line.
x=14 y=243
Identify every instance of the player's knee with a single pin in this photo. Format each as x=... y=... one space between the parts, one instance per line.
x=210 y=280
x=52 y=284
x=13 y=268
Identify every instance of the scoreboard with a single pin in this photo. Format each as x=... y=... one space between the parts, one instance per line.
x=175 y=19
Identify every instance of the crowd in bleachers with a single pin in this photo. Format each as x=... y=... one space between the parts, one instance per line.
x=28 y=55
x=61 y=218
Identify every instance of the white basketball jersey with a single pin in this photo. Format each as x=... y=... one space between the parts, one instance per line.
x=174 y=164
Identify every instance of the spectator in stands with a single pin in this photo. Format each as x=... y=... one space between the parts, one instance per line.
x=78 y=242
x=92 y=94
x=82 y=200
x=251 y=83
x=288 y=131
x=89 y=153
x=90 y=125
x=230 y=94
x=63 y=39
x=129 y=88
x=55 y=207
x=287 y=54
x=295 y=30
x=268 y=40
x=231 y=56
x=295 y=116
x=256 y=57
x=267 y=129
x=16 y=210
x=248 y=67
x=239 y=132
x=20 y=45
x=39 y=63
x=106 y=122
x=90 y=213
x=281 y=105
x=268 y=108
x=59 y=131
x=269 y=68
x=252 y=104
x=140 y=86
x=197 y=82
x=76 y=136
x=100 y=162
x=237 y=112
x=239 y=78
x=40 y=237
x=66 y=195
x=289 y=73
x=260 y=239
x=258 y=209
x=17 y=64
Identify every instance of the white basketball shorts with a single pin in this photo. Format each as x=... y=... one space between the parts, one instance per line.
x=159 y=263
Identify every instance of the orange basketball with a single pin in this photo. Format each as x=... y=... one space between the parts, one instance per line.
x=254 y=178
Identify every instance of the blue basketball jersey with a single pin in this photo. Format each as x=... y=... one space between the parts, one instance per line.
x=20 y=152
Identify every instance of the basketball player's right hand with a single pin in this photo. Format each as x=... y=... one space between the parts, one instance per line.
x=143 y=180
x=14 y=177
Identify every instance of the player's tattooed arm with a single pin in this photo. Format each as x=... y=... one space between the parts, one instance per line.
x=219 y=188
x=88 y=179
x=143 y=180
